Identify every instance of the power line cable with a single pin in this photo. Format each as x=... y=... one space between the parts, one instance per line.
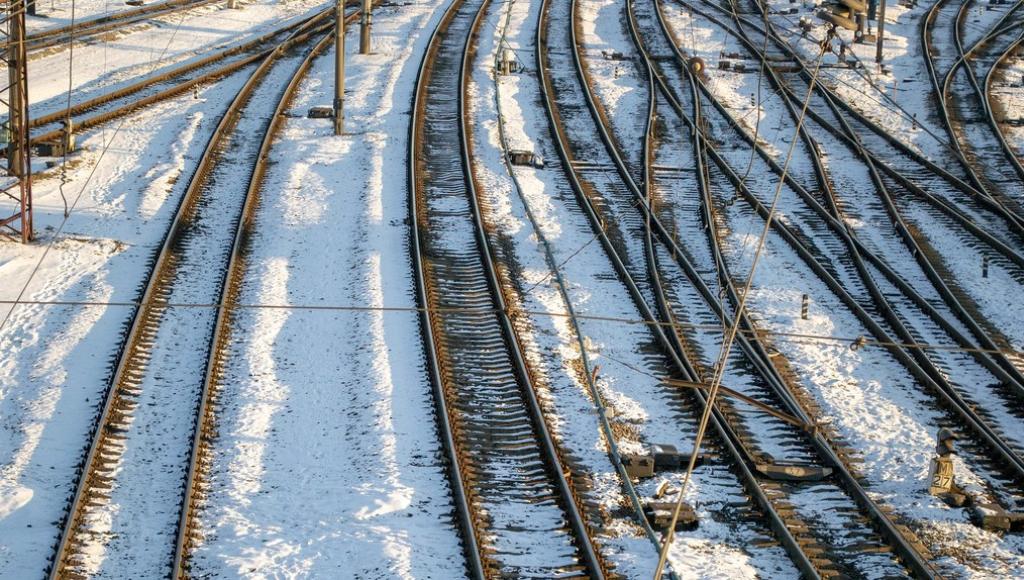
x=733 y=330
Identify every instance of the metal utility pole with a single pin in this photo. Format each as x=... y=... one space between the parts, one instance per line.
x=364 y=29
x=881 y=32
x=17 y=184
x=339 y=69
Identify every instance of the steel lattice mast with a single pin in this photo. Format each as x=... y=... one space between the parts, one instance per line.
x=16 y=185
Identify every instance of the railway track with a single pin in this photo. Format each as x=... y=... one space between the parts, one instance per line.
x=965 y=111
x=802 y=545
x=126 y=100
x=112 y=23
x=943 y=182
x=837 y=558
x=998 y=114
x=884 y=265
x=981 y=457
x=516 y=503
x=156 y=411
x=953 y=277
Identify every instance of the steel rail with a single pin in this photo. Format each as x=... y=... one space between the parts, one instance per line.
x=1000 y=366
x=983 y=93
x=906 y=548
x=477 y=561
x=1015 y=222
x=965 y=221
x=942 y=90
x=460 y=493
x=988 y=98
x=916 y=365
x=170 y=92
x=965 y=61
x=203 y=431
x=728 y=437
x=147 y=312
x=591 y=557
x=55 y=37
x=588 y=368
x=91 y=103
x=945 y=206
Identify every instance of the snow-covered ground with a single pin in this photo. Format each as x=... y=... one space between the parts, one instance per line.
x=328 y=459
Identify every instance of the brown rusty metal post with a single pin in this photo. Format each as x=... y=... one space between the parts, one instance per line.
x=364 y=28
x=18 y=185
x=881 y=31
x=339 y=68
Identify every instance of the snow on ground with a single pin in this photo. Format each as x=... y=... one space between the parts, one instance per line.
x=873 y=404
x=646 y=410
x=56 y=358
x=54 y=14
x=328 y=459
x=616 y=83
x=169 y=40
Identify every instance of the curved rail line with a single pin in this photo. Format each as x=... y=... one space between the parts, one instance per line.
x=99 y=469
x=919 y=364
x=588 y=369
x=965 y=310
x=500 y=449
x=205 y=424
x=959 y=105
x=932 y=181
x=989 y=98
x=783 y=395
x=564 y=100
x=967 y=413
x=1002 y=369
x=182 y=77
x=803 y=549
x=55 y=37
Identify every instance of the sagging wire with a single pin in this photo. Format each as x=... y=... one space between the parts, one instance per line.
x=734 y=329
x=854 y=343
x=88 y=180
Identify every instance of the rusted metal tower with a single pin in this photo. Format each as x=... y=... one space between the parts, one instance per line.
x=16 y=185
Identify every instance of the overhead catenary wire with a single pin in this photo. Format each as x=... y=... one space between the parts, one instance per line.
x=734 y=329
x=855 y=342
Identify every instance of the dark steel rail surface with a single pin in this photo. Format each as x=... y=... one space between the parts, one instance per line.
x=732 y=441
x=87 y=28
x=919 y=366
x=487 y=407
x=146 y=318
x=981 y=329
x=203 y=433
